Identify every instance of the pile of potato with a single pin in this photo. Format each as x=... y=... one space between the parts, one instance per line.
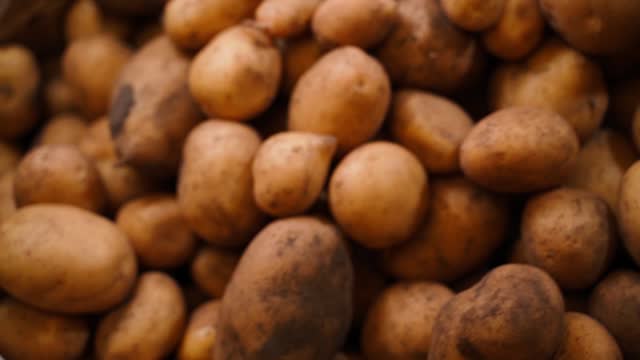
x=320 y=180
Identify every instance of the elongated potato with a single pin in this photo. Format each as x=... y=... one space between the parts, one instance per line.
x=7 y=199
x=517 y=32
x=64 y=259
x=9 y=157
x=63 y=129
x=586 y=339
x=474 y=15
x=298 y=56
x=286 y=18
x=200 y=335
x=212 y=268
x=629 y=211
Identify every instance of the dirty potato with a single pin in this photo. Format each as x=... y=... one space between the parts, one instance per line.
x=586 y=339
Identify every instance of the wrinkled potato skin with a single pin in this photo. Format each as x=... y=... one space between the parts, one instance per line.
x=629 y=210
x=7 y=199
x=261 y=318
x=298 y=56
x=586 y=339
x=31 y=334
x=9 y=157
x=286 y=18
x=200 y=335
x=63 y=129
x=518 y=31
x=212 y=268
x=474 y=15
x=519 y=149
x=148 y=326
x=73 y=275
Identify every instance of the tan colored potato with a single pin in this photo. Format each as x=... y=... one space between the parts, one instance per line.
x=474 y=15
x=628 y=211
x=399 y=323
x=237 y=75
x=379 y=194
x=212 y=268
x=517 y=32
x=9 y=157
x=345 y=94
x=134 y=7
x=520 y=149
x=60 y=96
x=215 y=188
x=298 y=57
x=586 y=339
x=7 y=199
x=65 y=259
x=148 y=326
x=286 y=18
x=431 y=126
x=200 y=335
x=556 y=78
x=463 y=228
x=63 y=129
x=27 y=333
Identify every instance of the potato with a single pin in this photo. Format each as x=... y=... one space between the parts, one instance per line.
x=65 y=259
x=601 y=163
x=60 y=96
x=354 y=92
x=595 y=26
x=298 y=56
x=465 y=225
x=286 y=18
x=517 y=32
x=425 y=50
x=237 y=75
x=586 y=339
x=63 y=129
x=474 y=15
x=399 y=323
x=349 y=22
x=614 y=303
x=290 y=170
x=28 y=333
x=96 y=142
x=515 y=312
x=557 y=78
x=9 y=157
x=134 y=7
x=86 y=19
x=282 y=303
x=7 y=199
x=215 y=188
x=212 y=268
x=152 y=111
x=191 y=24
x=148 y=326
x=520 y=149
x=379 y=194
x=200 y=335
x=431 y=126
x=628 y=211
x=570 y=234
x=19 y=81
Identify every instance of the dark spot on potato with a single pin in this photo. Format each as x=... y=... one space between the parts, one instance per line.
x=120 y=109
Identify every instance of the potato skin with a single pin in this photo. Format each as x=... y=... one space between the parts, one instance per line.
x=63 y=129
x=286 y=18
x=519 y=149
x=72 y=275
x=473 y=15
x=31 y=334
x=517 y=32
x=628 y=211
x=9 y=157
x=262 y=318
x=200 y=335
x=298 y=56
x=586 y=339
x=7 y=199
x=60 y=96
x=211 y=269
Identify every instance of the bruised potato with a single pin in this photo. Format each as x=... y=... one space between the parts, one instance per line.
x=586 y=339
x=517 y=32
x=200 y=335
x=629 y=211
x=474 y=15
x=212 y=268
x=286 y=18
x=298 y=56
x=63 y=129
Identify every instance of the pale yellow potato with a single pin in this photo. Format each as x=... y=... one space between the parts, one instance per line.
x=586 y=339
x=518 y=31
x=211 y=269
x=286 y=18
x=474 y=15
x=63 y=129
x=200 y=335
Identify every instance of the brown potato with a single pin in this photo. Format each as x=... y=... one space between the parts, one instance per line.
x=30 y=334
x=215 y=188
x=614 y=303
x=290 y=170
x=97 y=143
x=148 y=326
x=628 y=211
x=212 y=268
x=515 y=312
x=397 y=183
x=84 y=19
x=283 y=304
x=354 y=92
x=557 y=78
x=570 y=234
x=517 y=32
x=134 y=7
x=586 y=339
x=60 y=96
x=520 y=149
x=237 y=75
x=399 y=323
x=65 y=259
x=349 y=22
x=431 y=126
x=298 y=56
x=463 y=228
x=200 y=335
x=425 y=50
x=9 y=157
x=63 y=129
x=474 y=15
x=286 y=18
x=7 y=199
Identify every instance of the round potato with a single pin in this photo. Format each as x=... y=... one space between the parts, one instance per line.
x=520 y=149
x=586 y=339
x=378 y=194
x=354 y=92
x=298 y=56
x=65 y=259
x=63 y=129
x=9 y=157
x=7 y=199
x=286 y=18
x=629 y=211
x=517 y=32
x=399 y=323
x=60 y=96
x=474 y=15
x=200 y=335
x=212 y=268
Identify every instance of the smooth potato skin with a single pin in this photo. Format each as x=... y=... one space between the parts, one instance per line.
x=473 y=15
x=211 y=269
x=286 y=18
x=63 y=129
x=298 y=56
x=518 y=31
x=200 y=335
x=628 y=211
x=586 y=339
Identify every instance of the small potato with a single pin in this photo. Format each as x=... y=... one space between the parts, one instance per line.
x=586 y=339
x=200 y=335
x=298 y=57
x=399 y=323
x=237 y=75
x=286 y=18
x=134 y=7
x=614 y=303
x=157 y=231
x=290 y=170
x=63 y=129
x=349 y=22
x=27 y=333
x=148 y=326
x=212 y=268
x=345 y=94
x=9 y=157
x=192 y=23
x=518 y=31
x=474 y=15
x=378 y=194
x=65 y=259
x=628 y=211
x=556 y=78
x=60 y=96
x=463 y=228
x=7 y=199
x=431 y=126
x=215 y=187
x=515 y=312
x=520 y=149
x=569 y=233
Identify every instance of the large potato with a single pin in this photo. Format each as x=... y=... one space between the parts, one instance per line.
x=286 y=18
x=63 y=129
x=64 y=259
x=586 y=339
x=282 y=303
x=211 y=269
x=518 y=32
x=629 y=211
x=474 y=15
x=200 y=335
